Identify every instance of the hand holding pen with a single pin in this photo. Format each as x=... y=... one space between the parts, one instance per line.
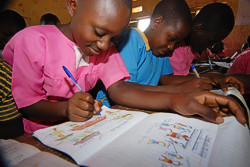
x=81 y=106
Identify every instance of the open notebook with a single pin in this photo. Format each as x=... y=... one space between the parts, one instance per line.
x=129 y=138
x=234 y=93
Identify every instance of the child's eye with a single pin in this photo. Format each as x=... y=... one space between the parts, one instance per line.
x=98 y=34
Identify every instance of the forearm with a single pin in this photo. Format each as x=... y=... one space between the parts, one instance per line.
x=176 y=88
x=45 y=109
x=174 y=79
x=130 y=96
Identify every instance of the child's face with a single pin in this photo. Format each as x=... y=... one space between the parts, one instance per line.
x=164 y=38
x=201 y=40
x=96 y=23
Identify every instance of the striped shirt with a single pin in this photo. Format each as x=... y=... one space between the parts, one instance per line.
x=8 y=108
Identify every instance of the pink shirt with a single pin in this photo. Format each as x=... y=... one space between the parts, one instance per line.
x=241 y=64
x=181 y=59
x=37 y=55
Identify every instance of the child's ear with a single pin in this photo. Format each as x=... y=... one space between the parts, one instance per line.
x=156 y=22
x=71 y=5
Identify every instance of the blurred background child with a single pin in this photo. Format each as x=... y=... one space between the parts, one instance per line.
x=10 y=23
x=49 y=19
x=212 y=24
x=11 y=123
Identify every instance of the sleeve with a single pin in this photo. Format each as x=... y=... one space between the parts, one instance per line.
x=26 y=53
x=129 y=50
x=113 y=69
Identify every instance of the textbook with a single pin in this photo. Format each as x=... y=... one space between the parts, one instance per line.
x=234 y=93
x=132 y=138
x=13 y=153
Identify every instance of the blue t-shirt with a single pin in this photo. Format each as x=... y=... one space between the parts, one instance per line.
x=143 y=66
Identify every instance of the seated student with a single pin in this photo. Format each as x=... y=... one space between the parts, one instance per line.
x=43 y=90
x=10 y=23
x=145 y=55
x=49 y=19
x=212 y=24
x=11 y=123
x=241 y=65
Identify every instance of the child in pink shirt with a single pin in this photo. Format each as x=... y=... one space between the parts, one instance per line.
x=212 y=24
x=42 y=90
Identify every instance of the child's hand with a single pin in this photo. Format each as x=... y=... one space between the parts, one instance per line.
x=225 y=81
x=208 y=105
x=198 y=84
x=81 y=107
x=97 y=106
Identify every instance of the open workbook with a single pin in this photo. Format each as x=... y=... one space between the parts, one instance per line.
x=130 y=138
x=234 y=93
x=16 y=154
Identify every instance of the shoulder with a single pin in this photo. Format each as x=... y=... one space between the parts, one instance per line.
x=131 y=35
x=244 y=56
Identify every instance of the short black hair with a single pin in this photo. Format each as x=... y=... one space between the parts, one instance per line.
x=128 y=3
x=49 y=18
x=217 y=18
x=12 y=18
x=173 y=11
x=248 y=39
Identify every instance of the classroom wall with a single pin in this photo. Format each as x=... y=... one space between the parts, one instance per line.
x=32 y=10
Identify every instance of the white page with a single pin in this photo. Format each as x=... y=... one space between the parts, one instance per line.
x=232 y=145
x=83 y=143
x=13 y=152
x=44 y=159
x=162 y=140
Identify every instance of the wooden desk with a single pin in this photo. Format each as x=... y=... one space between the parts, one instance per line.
x=29 y=139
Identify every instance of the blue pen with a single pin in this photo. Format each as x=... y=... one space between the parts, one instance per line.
x=195 y=71
x=73 y=79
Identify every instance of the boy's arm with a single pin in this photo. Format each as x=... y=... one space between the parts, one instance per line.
x=205 y=104
x=224 y=81
x=174 y=79
x=196 y=84
x=217 y=79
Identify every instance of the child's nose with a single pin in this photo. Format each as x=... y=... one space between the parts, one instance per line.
x=103 y=44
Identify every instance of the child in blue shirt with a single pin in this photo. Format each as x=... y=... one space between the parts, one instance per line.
x=145 y=57
x=144 y=54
